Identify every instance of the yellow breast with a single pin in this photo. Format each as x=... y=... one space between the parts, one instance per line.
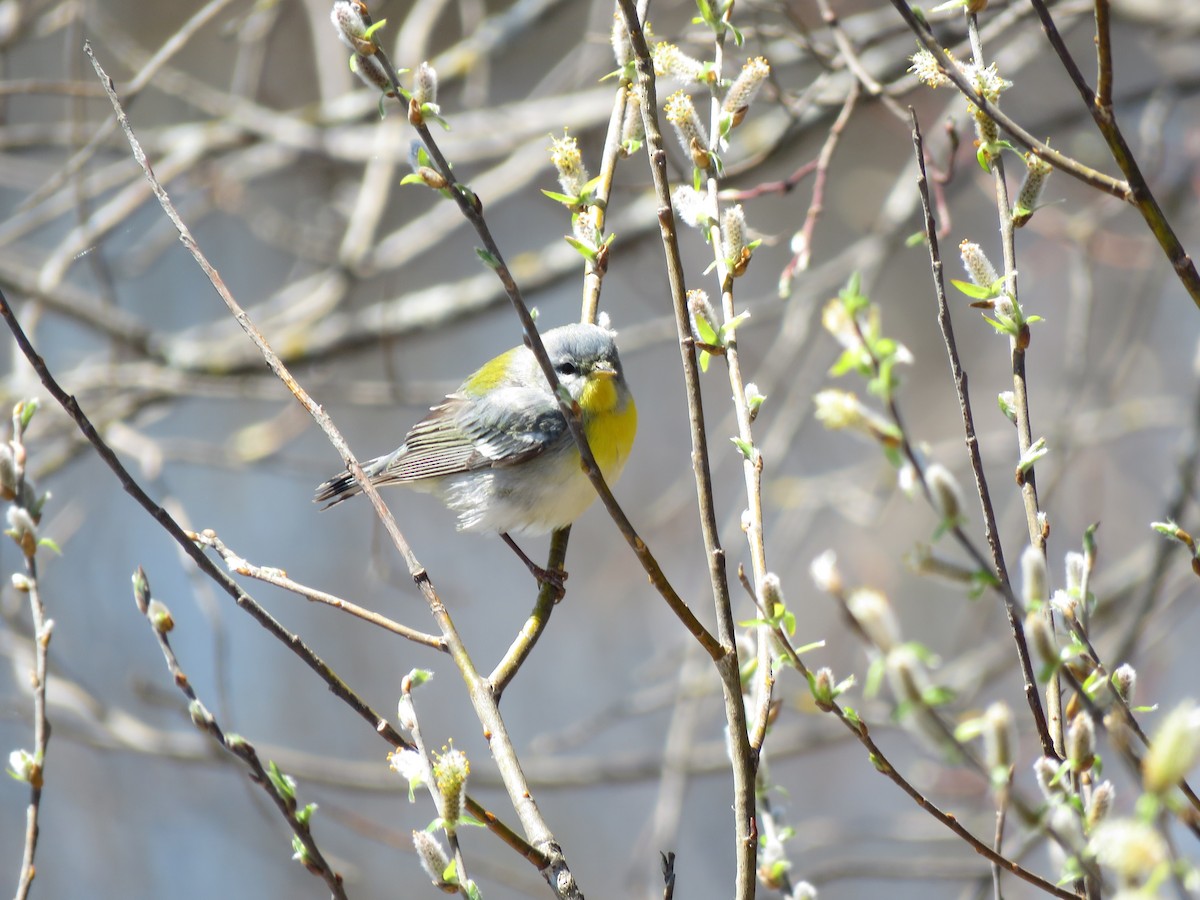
x=610 y=425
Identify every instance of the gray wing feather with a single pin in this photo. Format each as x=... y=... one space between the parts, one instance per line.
x=463 y=435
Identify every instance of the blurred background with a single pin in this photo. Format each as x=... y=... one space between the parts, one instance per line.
x=372 y=292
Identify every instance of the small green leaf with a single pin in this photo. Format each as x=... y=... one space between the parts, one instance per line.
x=706 y=332
x=488 y=259
x=418 y=677
x=969 y=730
x=974 y=291
x=937 y=695
x=1030 y=457
x=788 y=623
x=585 y=250
x=853 y=359
x=982 y=580
x=429 y=116
x=744 y=446
x=586 y=192
x=727 y=330
x=285 y=785
x=369 y=34
x=983 y=157
x=564 y=199
x=304 y=815
x=25 y=411
x=875 y=673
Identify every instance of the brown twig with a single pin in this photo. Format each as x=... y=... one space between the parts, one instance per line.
x=959 y=375
x=724 y=653
x=800 y=259
x=1133 y=190
x=208 y=538
x=858 y=727
x=279 y=788
x=1072 y=167
x=23 y=523
x=536 y=622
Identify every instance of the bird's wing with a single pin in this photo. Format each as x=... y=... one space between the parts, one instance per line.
x=464 y=434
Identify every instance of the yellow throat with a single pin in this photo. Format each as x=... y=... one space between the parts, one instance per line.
x=609 y=423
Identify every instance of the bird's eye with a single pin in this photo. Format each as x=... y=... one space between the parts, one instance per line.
x=566 y=369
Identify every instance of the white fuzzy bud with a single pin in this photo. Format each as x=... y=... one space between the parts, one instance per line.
x=874 y=615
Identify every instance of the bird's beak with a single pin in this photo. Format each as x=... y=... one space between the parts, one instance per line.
x=604 y=370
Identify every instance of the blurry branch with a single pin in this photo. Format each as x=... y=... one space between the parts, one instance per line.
x=802 y=241
x=21 y=87
x=79 y=305
x=279 y=787
x=1183 y=495
x=171 y=46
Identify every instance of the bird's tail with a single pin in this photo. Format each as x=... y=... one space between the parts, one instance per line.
x=335 y=490
x=343 y=486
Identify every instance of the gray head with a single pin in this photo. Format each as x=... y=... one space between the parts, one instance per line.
x=578 y=351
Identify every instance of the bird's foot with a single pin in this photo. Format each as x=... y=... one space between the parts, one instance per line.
x=555 y=579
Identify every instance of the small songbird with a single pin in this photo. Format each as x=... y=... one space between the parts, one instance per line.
x=498 y=451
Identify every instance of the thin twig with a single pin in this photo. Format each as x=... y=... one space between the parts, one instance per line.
x=1072 y=167
x=1133 y=189
x=23 y=522
x=959 y=375
x=279 y=578
x=858 y=727
x=725 y=655
x=281 y=793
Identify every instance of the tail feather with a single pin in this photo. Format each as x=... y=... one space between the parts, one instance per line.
x=343 y=486
x=335 y=490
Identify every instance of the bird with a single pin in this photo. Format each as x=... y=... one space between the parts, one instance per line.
x=498 y=451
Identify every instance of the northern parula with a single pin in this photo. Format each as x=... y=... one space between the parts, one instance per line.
x=498 y=451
